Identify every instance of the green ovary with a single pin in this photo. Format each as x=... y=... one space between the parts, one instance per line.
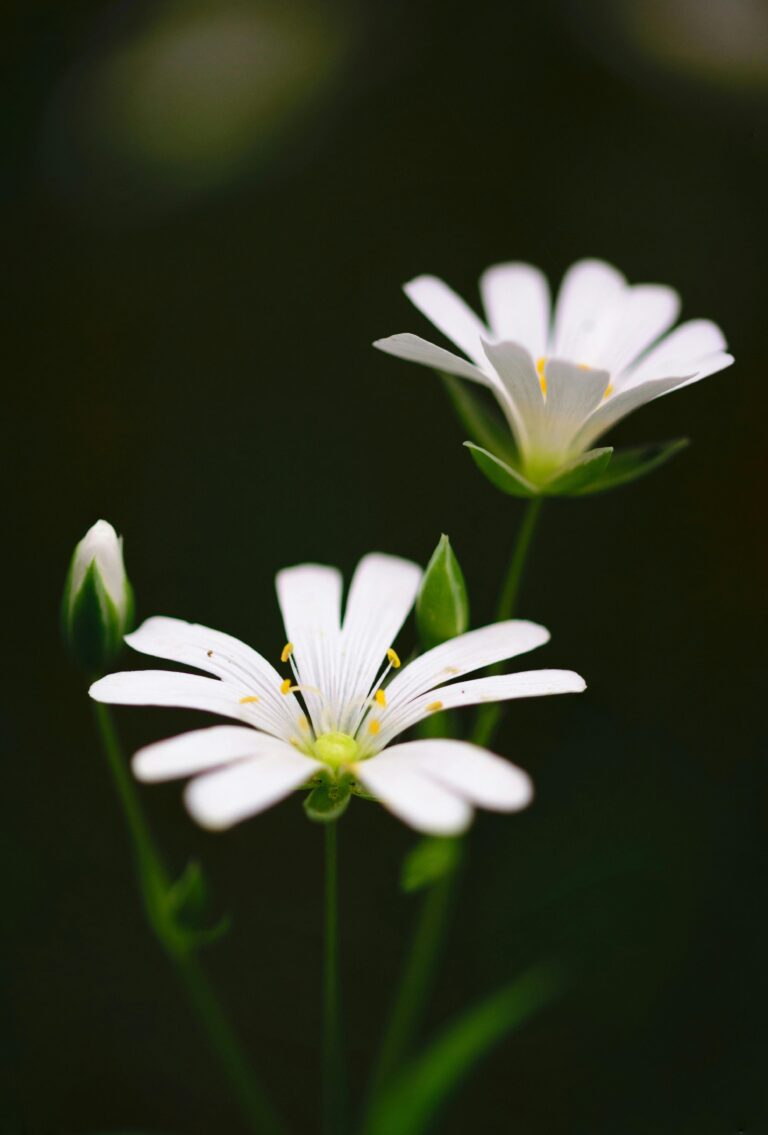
x=336 y=749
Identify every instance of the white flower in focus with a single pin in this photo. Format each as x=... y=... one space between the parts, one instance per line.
x=347 y=700
x=97 y=607
x=563 y=378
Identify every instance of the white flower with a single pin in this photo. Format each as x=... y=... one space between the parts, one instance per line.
x=563 y=380
x=102 y=546
x=352 y=704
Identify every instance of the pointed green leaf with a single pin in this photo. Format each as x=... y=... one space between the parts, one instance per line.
x=578 y=474
x=630 y=464
x=482 y=423
x=430 y=860
x=500 y=474
x=413 y=1098
x=442 y=608
x=328 y=800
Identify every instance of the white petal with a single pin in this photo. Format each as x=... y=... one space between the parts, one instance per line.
x=480 y=777
x=501 y=687
x=588 y=292
x=461 y=655
x=310 y=601
x=449 y=313
x=414 y=798
x=623 y=403
x=518 y=376
x=237 y=664
x=220 y=799
x=381 y=594
x=516 y=299
x=194 y=752
x=572 y=395
x=102 y=544
x=418 y=350
x=642 y=314
x=679 y=351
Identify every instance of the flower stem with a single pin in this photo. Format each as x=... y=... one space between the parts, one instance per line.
x=427 y=945
x=490 y=715
x=333 y=1069
x=154 y=883
x=416 y=983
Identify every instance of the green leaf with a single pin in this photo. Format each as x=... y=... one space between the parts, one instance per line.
x=432 y=859
x=630 y=464
x=442 y=607
x=414 y=1097
x=500 y=474
x=578 y=474
x=328 y=800
x=483 y=425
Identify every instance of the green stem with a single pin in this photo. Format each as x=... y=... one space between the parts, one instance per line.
x=427 y=945
x=154 y=883
x=490 y=715
x=416 y=983
x=333 y=1069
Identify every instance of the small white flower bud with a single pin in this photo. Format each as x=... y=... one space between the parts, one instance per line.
x=97 y=608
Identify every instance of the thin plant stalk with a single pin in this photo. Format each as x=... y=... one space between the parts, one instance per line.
x=333 y=1067
x=155 y=882
x=427 y=945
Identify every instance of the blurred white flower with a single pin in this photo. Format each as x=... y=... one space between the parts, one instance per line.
x=563 y=378
x=340 y=728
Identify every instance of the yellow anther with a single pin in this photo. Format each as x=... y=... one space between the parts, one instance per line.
x=584 y=366
x=394 y=661
x=285 y=686
x=451 y=670
x=287 y=652
x=541 y=365
x=434 y=706
x=374 y=727
x=296 y=743
x=247 y=700
x=381 y=698
x=303 y=723
x=608 y=390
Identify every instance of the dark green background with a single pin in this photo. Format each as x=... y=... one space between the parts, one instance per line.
x=196 y=367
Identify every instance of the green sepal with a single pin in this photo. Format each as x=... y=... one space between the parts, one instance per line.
x=577 y=475
x=329 y=800
x=500 y=474
x=432 y=859
x=442 y=606
x=484 y=426
x=188 y=906
x=629 y=465
x=90 y=623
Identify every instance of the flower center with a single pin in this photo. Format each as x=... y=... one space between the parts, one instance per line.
x=336 y=749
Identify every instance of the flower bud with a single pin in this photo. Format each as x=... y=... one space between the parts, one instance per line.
x=442 y=607
x=97 y=606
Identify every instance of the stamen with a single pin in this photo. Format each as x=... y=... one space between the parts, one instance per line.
x=247 y=700
x=380 y=698
x=541 y=365
x=608 y=390
x=286 y=652
x=584 y=366
x=303 y=723
x=434 y=706
x=374 y=727
x=285 y=686
x=394 y=661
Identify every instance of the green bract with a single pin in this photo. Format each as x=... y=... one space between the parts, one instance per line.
x=593 y=472
x=97 y=605
x=442 y=607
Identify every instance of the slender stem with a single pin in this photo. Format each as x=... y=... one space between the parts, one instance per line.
x=490 y=715
x=416 y=983
x=333 y=1069
x=427 y=945
x=154 y=883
